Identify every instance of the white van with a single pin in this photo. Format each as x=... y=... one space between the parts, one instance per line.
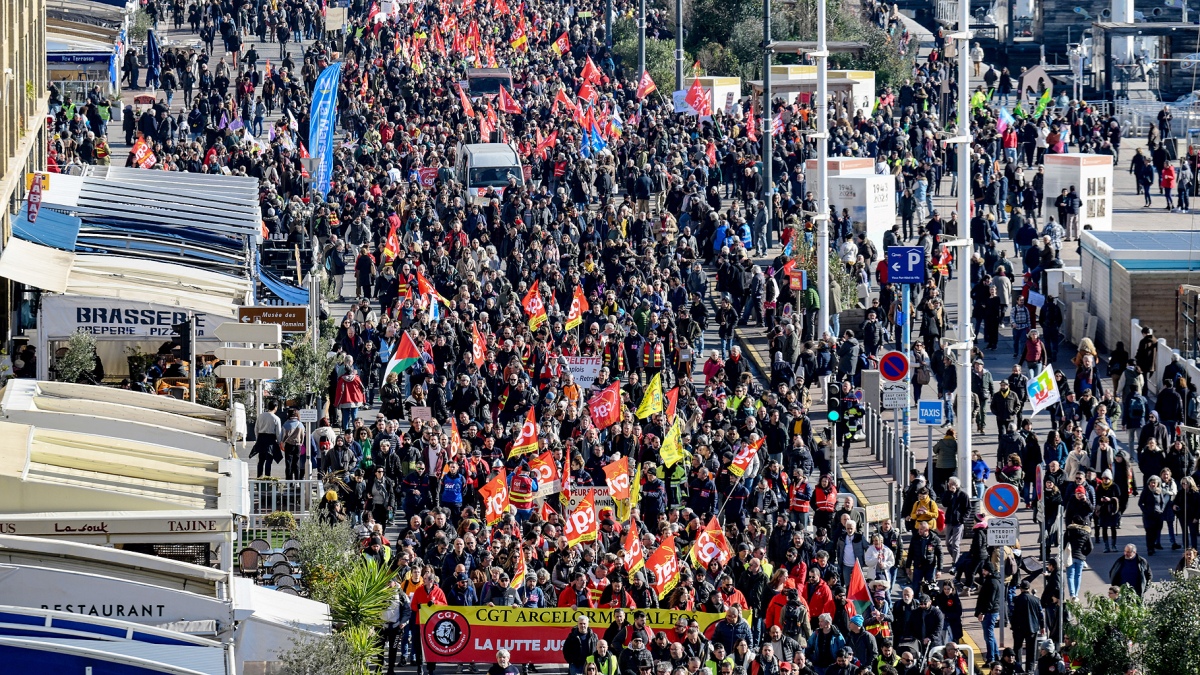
x=487 y=165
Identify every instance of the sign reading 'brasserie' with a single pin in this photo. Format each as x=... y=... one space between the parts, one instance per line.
x=63 y=315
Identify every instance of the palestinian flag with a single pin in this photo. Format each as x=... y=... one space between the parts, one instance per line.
x=856 y=590
x=406 y=356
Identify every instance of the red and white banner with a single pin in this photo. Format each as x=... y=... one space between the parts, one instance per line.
x=475 y=634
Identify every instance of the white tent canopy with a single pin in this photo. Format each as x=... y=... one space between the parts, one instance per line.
x=121 y=414
x=159 y=592
x=49 y=470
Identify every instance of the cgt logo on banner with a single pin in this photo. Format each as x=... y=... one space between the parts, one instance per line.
x=1043 y=390
x=475 y=634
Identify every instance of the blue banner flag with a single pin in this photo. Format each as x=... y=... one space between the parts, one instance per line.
x=322 y=120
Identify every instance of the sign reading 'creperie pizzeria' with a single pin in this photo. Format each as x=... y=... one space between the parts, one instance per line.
x=109 y=318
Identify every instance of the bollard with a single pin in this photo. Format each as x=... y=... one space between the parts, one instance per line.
x=893 y=501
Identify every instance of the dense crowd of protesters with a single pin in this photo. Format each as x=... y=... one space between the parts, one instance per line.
x=657 y=219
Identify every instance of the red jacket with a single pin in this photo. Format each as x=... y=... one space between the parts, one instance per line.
x=819 y=601
x=423 y=597
x=567 y=598
x=349 y=391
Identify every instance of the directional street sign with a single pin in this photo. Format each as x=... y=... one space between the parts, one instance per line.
x=293 y=319
x=247 y=354
x=250 y=372
x=906 y=264
x=893 y=366
x=930 y=412
x=1003 y=531
x=894 y=396
x=1001 y=500
x=262 y=333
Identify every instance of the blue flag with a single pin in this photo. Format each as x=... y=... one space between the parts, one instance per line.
x=322 y=120
x=586 y=145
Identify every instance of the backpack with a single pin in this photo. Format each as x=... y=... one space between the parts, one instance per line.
x=790 y=619
x=1137 y=409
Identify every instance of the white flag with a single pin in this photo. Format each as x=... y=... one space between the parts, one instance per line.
x=1043 y=390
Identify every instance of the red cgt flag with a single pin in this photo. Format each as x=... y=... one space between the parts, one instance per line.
x=698 y=99
x=645 y=87
x=561 y=97
x=711 y=544
x=745 y=457
x=534 y=307
x=665 y=566
x=468 y=109
x=546 y=470
x=562 y=45
x=605 y=407
x=509 y=104
x=590 y=72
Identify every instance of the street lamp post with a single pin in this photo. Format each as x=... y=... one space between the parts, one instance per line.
x=641 y=39
x=678 y=45
x=821 y=109
x=964 y=264
x=768 y=118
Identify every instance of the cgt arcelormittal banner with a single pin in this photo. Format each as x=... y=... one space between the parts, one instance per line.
x=474 y=634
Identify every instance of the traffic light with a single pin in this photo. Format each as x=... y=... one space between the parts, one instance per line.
x=833 y=415
x=183 y=338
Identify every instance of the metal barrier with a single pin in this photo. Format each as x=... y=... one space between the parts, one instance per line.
x=888 y=446
x=1137 y=116
x=297 y=497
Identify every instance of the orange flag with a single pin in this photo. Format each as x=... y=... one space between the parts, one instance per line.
x=527 y=440
x=495 y=497
x=478 y=347
x=457 y=448
x=616 y=474
x=581 y=524
x=579 y=305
